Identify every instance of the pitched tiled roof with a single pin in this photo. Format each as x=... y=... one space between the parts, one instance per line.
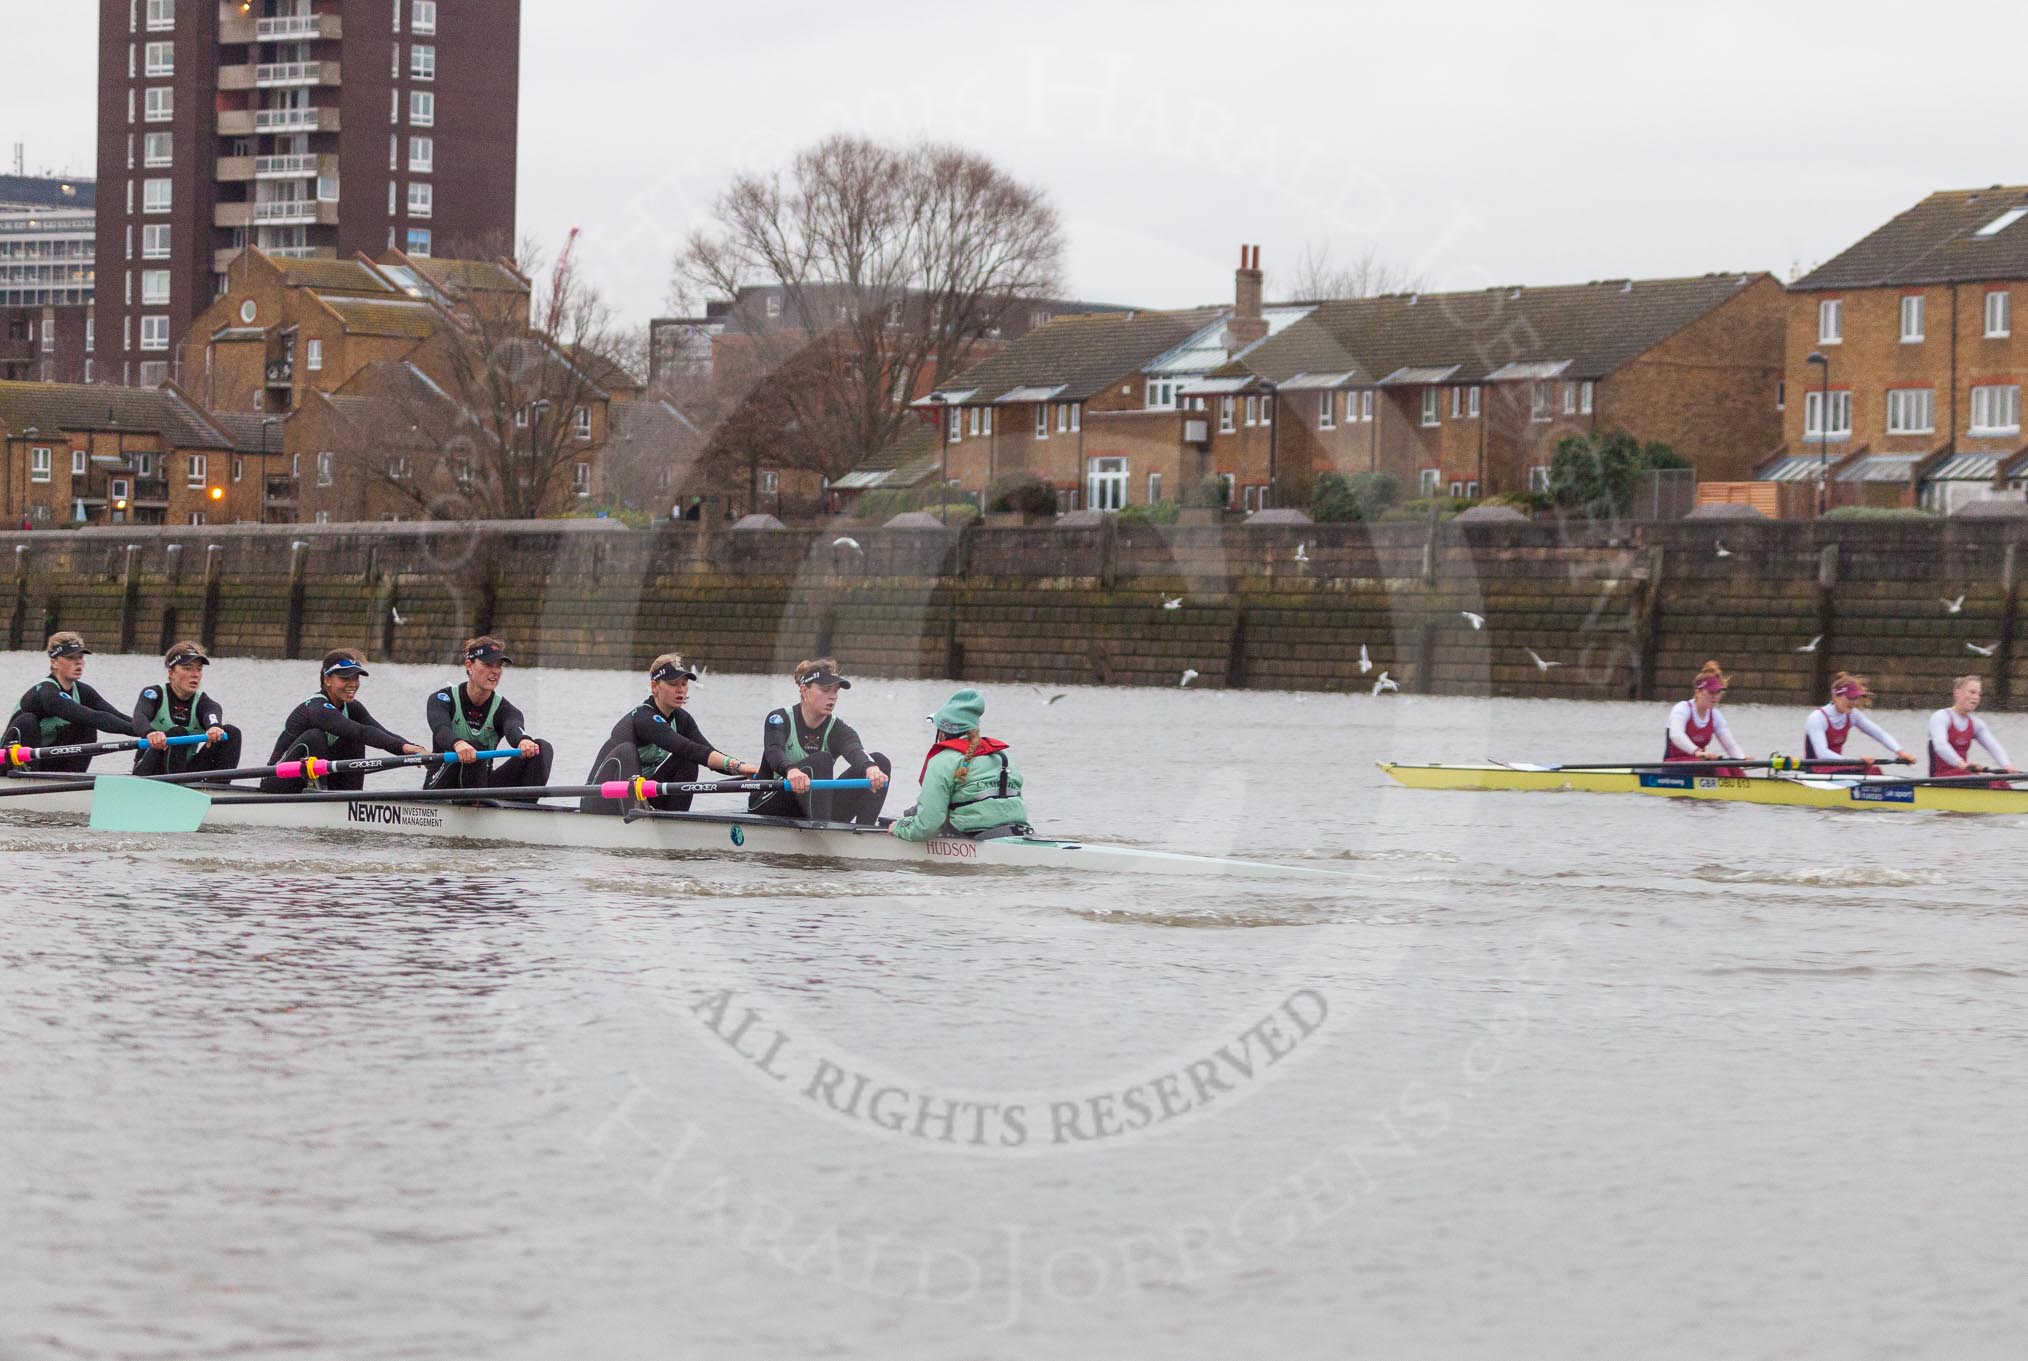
x=1082 y=354
x=1937 y=241
x=395 y=404
x=912 y=459
x=331 y=276
x=404 y=318
x=1595 y=328
x=646 y=427
x=249 y=433
x=467 y=276
x=80 y=407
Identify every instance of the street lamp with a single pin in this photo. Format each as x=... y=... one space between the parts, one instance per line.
x=937 y=400
x=1823 y=427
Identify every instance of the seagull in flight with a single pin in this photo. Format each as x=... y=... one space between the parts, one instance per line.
x=1477 y=621
x=1385 y=684
x=1188 y=676
x=1175 y=604
x=847 y=541
x=1365 y=660
x=1053 y=698
x=1951 y=606
x=1983 y=651
x=1723 y=551
x=1540 y=665
x=1302 y=552
x=1811 y=646
x=396 y=612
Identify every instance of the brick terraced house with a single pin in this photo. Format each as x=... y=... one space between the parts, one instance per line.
x=1918 y=392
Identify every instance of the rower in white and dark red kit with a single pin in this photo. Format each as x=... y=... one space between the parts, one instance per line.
x=1953 y=731
x=1825 y=730
x=1697 y=731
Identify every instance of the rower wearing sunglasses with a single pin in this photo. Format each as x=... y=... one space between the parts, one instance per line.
x=807 y=740
x=332 y=725
x=658 y=739
x=475 y=717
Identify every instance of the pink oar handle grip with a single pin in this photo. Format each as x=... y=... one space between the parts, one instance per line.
x=617 y=789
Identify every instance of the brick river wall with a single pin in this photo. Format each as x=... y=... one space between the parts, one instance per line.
x=1625 y=612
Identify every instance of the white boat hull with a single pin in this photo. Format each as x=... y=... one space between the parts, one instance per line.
x=716 y=835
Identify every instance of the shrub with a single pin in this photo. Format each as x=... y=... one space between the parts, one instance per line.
x=1362 y=496
x=886 y=504
x=1527 y=502
x=1595 y=475
x=1877 y=513
x=1421 y=506
x=1023 y=492
x=1161 y=513
x=1210 y=494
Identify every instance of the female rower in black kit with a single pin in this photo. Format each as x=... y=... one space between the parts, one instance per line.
x=659 y=740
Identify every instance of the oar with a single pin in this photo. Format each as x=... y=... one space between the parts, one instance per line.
x=287 y=770
x=1777 y=762
x=121 y=803
x=1988 y=777
x=21 y=756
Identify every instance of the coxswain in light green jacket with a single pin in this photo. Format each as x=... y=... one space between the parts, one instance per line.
x=969 y=784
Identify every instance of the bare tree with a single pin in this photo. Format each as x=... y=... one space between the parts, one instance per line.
x=889 y=266
x=1317 y=276
x=511 y=401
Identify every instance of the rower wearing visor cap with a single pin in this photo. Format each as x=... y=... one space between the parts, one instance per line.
x=1825 y=730
x=60 y=710
x=807 y=740
x=332 y=725
x=182 y=707
x=659 y=740
x=473 y=717
x=1697 y=731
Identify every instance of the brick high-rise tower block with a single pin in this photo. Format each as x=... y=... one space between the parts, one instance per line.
x=308 y=128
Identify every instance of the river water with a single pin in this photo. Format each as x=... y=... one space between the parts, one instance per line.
x=1544 y=1076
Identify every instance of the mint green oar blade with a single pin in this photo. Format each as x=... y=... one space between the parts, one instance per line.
x=123 y=803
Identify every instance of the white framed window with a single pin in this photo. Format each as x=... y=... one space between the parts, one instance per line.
x=80 y=463
x=160 y=59
x=422 y=154
x=91 y=334
x=133 y=60
x=394 y=151
x=398 y=468
x=159 y=149
x=1840 y=401
x=1457 y=403
x=422 y=62
x=1161 y=394
x=1432 y=406
x=1267 y=410
x=38 y=465
x=1830 y=321
x=1041 y=421
x=1062 y=417
x=1911 y=319
x=392 y=204
x=130 y=151
x=394 y=108
x=1431 y=482
x=154 y=333
x=581 y=422
x=1996 y=409
x=1999 y=312
x=580 y=479
x=1366 y=405
x=973 y=420
x=420 y=199
x=772 y=306
x=1327 y=410
x=1781 y=394
x=161 y=15
x=1226 y=407
x=1076 y=417
x=130 y=106
x=1539 y=410
x=770 y=479
x=322 y=517
x=397 y=16
x=419 y=242
x=159 y=103
x=1538 y=477
x=313 y=355
x=238 y=468
x=422 y=108
x=1253 y=411
x=194 y=475
x=1472 y=402
x=954 y=425
x=155 y=241
x=394 y=66
x=48 y=337
x=324 y=469
x=521 y=417
x=127 y=287
x=155 y=288
x=1911 y=411
x=986 y=422
x=1570 y=399
x=156 y=195
x=423 y=17
x=1154 y=488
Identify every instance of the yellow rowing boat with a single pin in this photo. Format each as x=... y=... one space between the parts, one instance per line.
x=1879 y=794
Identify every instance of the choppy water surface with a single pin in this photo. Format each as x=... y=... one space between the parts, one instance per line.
x=1548 y=1076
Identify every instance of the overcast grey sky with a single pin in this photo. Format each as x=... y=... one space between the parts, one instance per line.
x=1477 y=144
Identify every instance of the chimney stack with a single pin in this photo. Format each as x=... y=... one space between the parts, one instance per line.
x=1246 y=325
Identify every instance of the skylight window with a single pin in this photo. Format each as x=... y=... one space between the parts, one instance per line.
x=2002 y=222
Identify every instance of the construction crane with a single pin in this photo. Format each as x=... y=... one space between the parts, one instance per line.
x=559 y=278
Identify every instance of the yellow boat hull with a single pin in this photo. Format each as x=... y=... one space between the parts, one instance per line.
x=1874 y=795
